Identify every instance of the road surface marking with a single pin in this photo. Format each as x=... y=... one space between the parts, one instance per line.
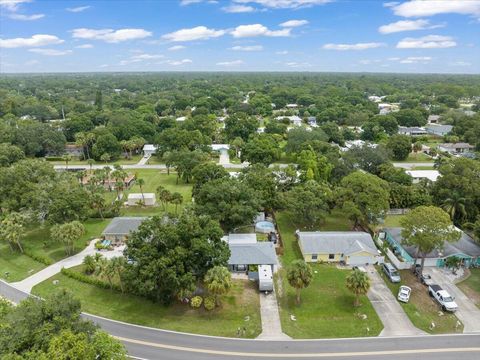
x=300 y=355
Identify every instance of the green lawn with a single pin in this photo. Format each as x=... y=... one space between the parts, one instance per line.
x=417 y=157
x=421 y=309
x=18 y=266
x=122 y=161
x=242 y=301
x=38 y=240
x=326 y=309
x=471 y=286
x=153 y=179
x=393 y=220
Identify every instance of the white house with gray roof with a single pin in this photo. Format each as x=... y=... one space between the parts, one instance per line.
x=350 y=247
x=244 y=254
x=120 y=228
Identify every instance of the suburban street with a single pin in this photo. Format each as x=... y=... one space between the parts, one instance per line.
x=153 y=344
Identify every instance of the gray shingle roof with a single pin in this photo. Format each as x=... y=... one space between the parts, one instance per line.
x=465 y=245
x=260 y=253
x=123 y=225
x=336 y=242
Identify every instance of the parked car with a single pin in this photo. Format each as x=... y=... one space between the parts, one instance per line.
x=391 y=272
x=425 y=279
x=404 y=293
x=445 y=300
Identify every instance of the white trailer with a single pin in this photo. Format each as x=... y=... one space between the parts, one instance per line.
x=265 y=278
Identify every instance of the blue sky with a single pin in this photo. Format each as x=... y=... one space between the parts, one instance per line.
x=414 y=36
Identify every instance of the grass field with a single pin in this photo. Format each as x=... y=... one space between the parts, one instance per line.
x=417 y=157
x=393 y=221
x=326 y=309
x=471 y=286
x=421 y=309
x=37 y=242
x=242 y=301
x=121 y=160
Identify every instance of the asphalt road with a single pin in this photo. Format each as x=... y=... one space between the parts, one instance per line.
x=152 y=344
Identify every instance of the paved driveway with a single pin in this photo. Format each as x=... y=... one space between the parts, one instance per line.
x=395 y=321
x=468 y=313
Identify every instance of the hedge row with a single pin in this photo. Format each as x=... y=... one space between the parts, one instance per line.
x=88 y=279
x=37 y=257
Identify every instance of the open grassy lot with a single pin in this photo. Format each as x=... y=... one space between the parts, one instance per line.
x=122 y=161
x=326 y=310
x=417 y=157
x=18 y=266
x=38 y=240
x=393 y=221
x=242 y=301
x=421 y=309
x=153 y=179
x=471 y=286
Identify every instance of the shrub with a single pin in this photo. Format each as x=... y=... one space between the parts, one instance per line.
x=196 y=302
x=37 y=257
x=209 y=303
x=88 y=279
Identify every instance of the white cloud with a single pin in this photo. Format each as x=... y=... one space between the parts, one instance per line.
x=189 y=2
x=110 y=35
x=294 y=64
x=26 y=17
x=230 y=63
x=294 y=23
x=416 y=59
x=284 y=4
x=247 y=48
x=427 y=42
x=258 y=30
x=84 y=46
x=461 y=63
x=51 y=52
x=179 y=62
x=142 y=57
x=390 y=4
x=78 y=9
x=407 y=25
x=12 y=5
x=368 y=61
x=196 y=33
x=416 y=8
x=283 y=52
x=236 y=9
x=34 y=41
x=358 y=46
x=176 y=48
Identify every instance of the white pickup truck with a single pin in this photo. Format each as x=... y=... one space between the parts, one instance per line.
x=443 y=298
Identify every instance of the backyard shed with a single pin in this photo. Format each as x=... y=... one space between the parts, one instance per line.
x=148 y=199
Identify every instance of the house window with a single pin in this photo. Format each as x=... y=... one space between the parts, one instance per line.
x=314 y=256
x=331 y=256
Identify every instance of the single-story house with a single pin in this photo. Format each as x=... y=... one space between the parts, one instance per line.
x=465 y=249
x=291 y=106
x=433 y=119
x=312 y=121
x=455 y=148
x=220 y=147
x=439 y=130
x=148 y=199
x=350 y=247
x=181 y=118
x=411 y=131
x=149 y=149
x=73 y=149
x=120 y=228
x=294 y=119
x=419 y=175
x=258 y=253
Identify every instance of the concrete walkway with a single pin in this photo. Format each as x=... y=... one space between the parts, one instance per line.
x=77 y=259
x=271 y=325
x=144 y=160
x=468 y=313
x=395 y=321
x=224 y=157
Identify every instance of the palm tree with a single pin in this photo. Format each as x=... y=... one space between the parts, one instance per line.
x=12 y=229
x=105 y=269
x=165 y=197
x=299 y=276
x=455 y=206
x=67 y=158
x=90 y=162
x=218 y=281
x=107 y=171
x=176 y=199
x=124 y=145
x=90 y=263
x=98 y=203
x=140 y=183
x=81 y=140
x=118 y=263
x=80 y=175
x=358 y=283
x=105 y=157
